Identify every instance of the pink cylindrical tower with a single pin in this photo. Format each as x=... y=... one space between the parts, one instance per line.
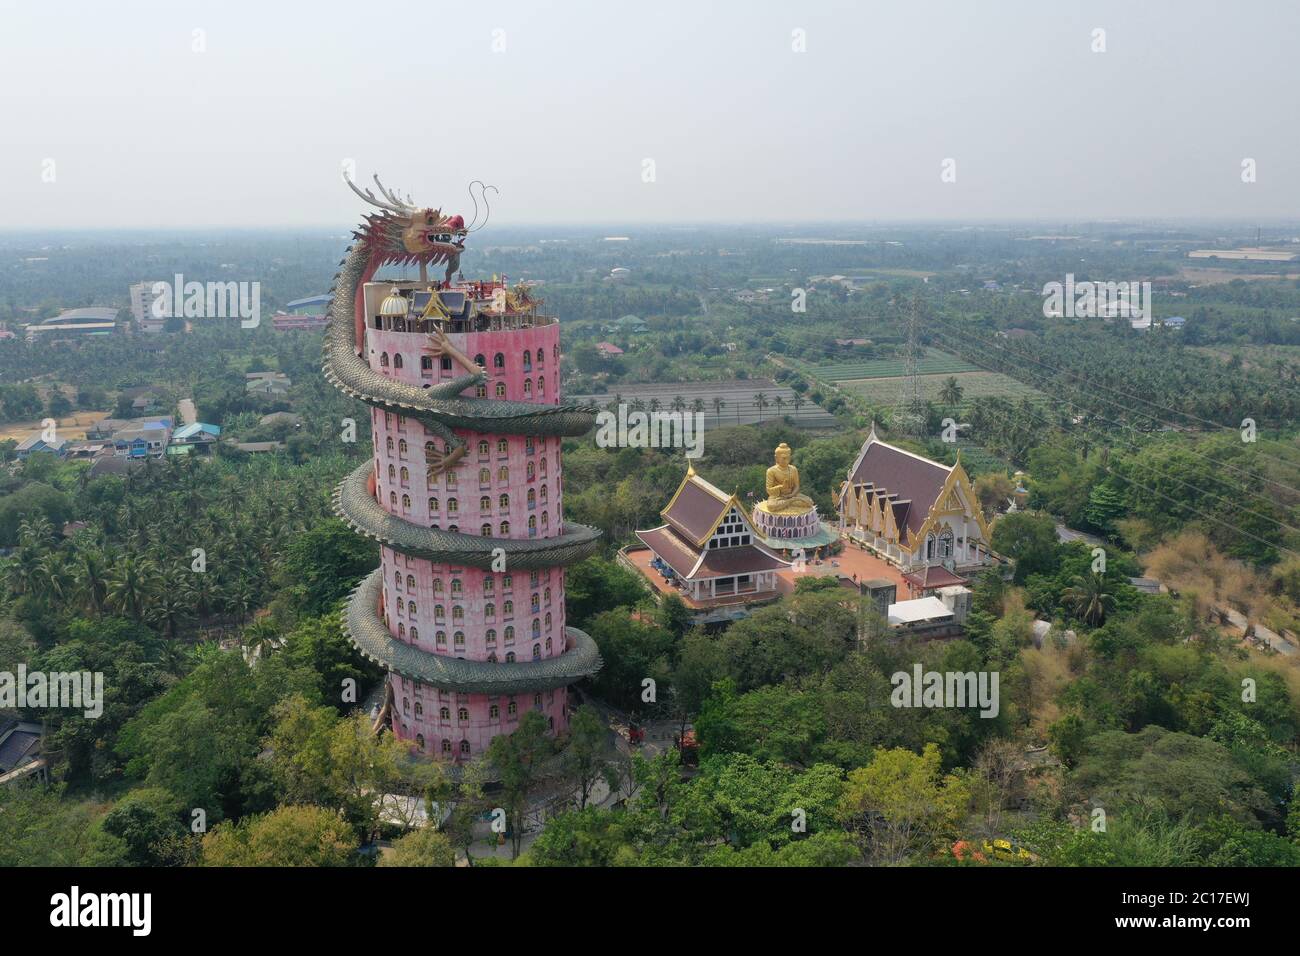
x=464 y=494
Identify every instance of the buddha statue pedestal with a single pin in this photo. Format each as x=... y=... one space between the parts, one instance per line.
x=787 y=526
x=788 y=519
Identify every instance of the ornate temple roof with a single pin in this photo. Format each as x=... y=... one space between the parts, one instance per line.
x=692 y=515
x=690 y=562
x=697 y=508
x=933 y=576
x=909 y=482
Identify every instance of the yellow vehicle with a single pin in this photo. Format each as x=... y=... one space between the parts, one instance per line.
x=1006 y=850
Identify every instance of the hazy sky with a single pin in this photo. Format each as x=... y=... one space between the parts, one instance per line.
x=145 y=131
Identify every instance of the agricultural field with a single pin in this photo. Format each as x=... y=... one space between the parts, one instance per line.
x=884 y=391
x=72 y=427
x=880 y=382
x=932 y=362
x=740 y=404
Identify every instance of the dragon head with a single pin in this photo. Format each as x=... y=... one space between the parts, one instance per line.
x=408 y=232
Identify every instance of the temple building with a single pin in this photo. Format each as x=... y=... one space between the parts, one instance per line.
x=920 y=516
x=708 y=549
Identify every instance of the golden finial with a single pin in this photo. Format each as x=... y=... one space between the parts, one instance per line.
x=690 y=468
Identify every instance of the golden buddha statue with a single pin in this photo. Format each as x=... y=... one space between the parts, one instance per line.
x=783 y=497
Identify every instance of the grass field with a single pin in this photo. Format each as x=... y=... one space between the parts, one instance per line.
x=883 y=391
x=933 y=362
x=738 y=397
x=880 y=382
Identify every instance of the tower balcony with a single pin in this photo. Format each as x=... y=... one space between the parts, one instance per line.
x=370 y=634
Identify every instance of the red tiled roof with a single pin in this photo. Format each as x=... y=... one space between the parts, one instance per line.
x=677 y=553
x=933 y=576
x=746 y=559
x=683 y=557
x=911 y=478
x=696 y=509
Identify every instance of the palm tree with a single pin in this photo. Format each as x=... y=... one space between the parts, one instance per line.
x=1090 y=598
x=951 y=392
x=697 y=405
x=22 y=572
x=260 y=638
x=90 y=572
x=129 y=585
x=760 y=400
x=170 y=608
x=718 y=405
x=204 y=594
x=798 y=402
x=679 y=404
x=54 y=576
x=241 y=600
x=779 y=402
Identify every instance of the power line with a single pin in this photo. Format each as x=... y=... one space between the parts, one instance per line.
x=1201 y=491
x=965 y=338
x=1177 y=504
x=1097 y=385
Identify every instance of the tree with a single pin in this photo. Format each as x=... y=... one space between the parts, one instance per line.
x=1090 y=597
x=1179 y=773
x=583 y=759
x=1028 y=538
x=995 y=775
x=148 y=822
x=901 y=803
x=698 y=666
x=674 y=616
x=632 y=650
x=58 y=404
x=951 y=392
x=31 y=500
x=423 y=847
x=321 y=565
x=130 y=584
x=588 y=837
x=518 y=759
x=1105 y=504
x=39 y=827
x=321 y=758
x=288 y=836
x=993 y=490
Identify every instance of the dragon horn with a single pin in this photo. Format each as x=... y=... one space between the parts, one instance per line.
x=392 y=196
x=369 y=197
